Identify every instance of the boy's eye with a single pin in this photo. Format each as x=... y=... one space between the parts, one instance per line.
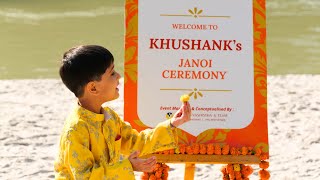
x=113 y=73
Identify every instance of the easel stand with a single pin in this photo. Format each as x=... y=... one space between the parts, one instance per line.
x=191 y=160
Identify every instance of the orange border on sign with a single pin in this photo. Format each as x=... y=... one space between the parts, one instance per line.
x=254 y=135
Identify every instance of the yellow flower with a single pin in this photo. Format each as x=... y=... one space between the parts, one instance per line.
x=184 y=98
x=236 y=167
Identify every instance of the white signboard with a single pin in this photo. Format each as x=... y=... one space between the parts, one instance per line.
x=192 y=47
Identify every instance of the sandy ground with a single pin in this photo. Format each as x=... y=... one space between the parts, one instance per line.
x=32 y=113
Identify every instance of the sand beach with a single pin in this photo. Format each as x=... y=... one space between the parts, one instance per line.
x=32 y=113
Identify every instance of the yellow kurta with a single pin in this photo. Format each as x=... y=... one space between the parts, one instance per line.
x=91 y=144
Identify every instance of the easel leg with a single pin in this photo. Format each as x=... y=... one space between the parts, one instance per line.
x=189 y=171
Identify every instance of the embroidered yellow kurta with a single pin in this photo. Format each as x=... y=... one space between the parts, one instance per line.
x=91 y=144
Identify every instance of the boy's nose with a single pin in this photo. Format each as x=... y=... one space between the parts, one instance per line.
x=119 y=76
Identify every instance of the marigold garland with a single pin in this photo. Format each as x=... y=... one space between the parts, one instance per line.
x=160 y=172
x=236 y=171
x=230 y=171
x=217 y=150
x=263 y=173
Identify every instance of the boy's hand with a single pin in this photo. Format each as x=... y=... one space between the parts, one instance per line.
x=142 y=165
x=182 y=115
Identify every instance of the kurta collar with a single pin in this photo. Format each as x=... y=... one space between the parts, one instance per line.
x=88 y=115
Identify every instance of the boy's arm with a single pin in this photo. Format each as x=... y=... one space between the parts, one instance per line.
x=148 y=141
x=162 y=137
x=79 y=161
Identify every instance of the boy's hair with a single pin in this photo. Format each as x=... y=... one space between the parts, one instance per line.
x=83 y=64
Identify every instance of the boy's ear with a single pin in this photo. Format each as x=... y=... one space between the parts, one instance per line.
x=91 y=88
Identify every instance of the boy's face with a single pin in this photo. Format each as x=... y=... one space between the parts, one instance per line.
x=108 y=85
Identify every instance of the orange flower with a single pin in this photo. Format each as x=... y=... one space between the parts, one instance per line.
x=264 y=174
x=210 y=146
x=237 y=174
x=203 y=149
x=246 y=170
x=152 y=177
x=236 y=171
x=182 y=148
x=158 y=174
x=161 y=169
x=158 y=165
x=264 y=156
x=189 y=150
x=210 y=149
x=229 y=168
x=250 y=150
x=171 y=151
x=264 y=165
x=165 y=167
x=244 y=150
x=250 y=169
x=217 y=149
x=257 y=152
x=210 y=152
x=166 y=152
x=144 y=176
x=165 y=176
x=232 y=176
x=225 y=149
x=233 y=151
x=196 y=148
x=238 y=152
x=224 y=170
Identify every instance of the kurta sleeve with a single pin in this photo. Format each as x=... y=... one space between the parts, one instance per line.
x=81 y=162
x=162 y=137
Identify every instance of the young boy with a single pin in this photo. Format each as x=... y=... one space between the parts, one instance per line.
x=94 y=136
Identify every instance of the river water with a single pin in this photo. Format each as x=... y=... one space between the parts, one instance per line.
x=35 y=33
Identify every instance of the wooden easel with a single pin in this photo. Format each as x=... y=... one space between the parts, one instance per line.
x=191 y=160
